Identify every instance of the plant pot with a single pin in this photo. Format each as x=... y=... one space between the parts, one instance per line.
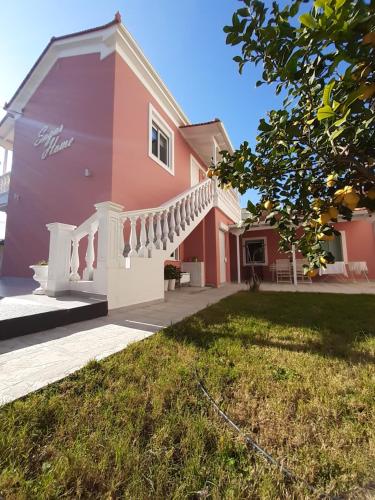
x=41 y=276
x=172 y=284
x=166 y=283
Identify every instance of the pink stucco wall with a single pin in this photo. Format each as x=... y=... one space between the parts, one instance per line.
x=77 y=92
x=105 y=107
x=137 y=180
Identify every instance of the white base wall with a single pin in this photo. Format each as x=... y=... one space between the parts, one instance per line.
x=142 y=282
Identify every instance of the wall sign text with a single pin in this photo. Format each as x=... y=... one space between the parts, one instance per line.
x=50 y=140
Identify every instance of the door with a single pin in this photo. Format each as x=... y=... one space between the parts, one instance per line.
x=223 y=258
x=194 y=172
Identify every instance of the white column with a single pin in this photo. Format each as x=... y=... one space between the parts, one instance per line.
x=238 y=259
x=60 y=247
x=294 y=265
x=109 y=242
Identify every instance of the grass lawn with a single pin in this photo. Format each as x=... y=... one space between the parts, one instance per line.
x=295 y=371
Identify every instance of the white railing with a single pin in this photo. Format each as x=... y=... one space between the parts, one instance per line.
x=158 y=228
x=4 y=183
x=122 y=235
x=229 y=202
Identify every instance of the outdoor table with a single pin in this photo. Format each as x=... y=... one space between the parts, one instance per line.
x=336 y=268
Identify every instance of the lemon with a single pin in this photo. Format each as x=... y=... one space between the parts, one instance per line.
x=324 y=218
x=268 y=205
x=312 y=272
x=322 y=260
x=333 y=212
x=351 y=200
x=371 y=193
x=338 y=196
x=331 y=181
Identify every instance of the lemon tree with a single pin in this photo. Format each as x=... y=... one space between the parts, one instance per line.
x=314 y=157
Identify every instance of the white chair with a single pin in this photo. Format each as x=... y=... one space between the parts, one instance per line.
x=301 y=276
x=283 y=271
x=357 y=269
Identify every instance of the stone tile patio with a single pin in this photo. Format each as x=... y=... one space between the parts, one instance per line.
x=33 y=361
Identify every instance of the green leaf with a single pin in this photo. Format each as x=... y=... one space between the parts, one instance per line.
x=337 y=132
x=320 y=4
x=342 y=120
x=339 y=4
x=327 y=93
x=308 y=20
x=325 y=112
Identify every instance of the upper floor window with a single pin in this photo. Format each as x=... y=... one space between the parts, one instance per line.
x=160 y=141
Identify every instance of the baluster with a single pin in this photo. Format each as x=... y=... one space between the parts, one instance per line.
x=172 y=224
x=90 y=255
x=151 y=235
x=121 y=242
x=165 y=228
x=192 y=207
x=178 y=218
x=196 y=209
x=133 y=241
x=74 y=276
x=183 y=214
x=187 y=206
x=200 y=204
x=158 y=243
x=142 y=252
x=205 y=197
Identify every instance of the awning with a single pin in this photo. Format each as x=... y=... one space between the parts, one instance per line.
x=201 y=136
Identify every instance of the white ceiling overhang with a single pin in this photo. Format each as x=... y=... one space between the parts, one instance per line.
x=201 y=137
x=7 y=131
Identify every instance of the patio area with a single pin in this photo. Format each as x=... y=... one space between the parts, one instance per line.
x=346 y=287
x=30 y=362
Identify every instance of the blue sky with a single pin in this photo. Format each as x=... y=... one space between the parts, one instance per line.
x=183 y=39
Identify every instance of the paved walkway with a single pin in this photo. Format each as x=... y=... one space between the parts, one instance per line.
x=33 y=361
x=322 y=287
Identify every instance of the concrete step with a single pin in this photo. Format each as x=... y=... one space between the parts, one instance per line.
x=24 y=314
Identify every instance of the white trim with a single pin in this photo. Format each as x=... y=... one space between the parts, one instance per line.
x=223 y=227
x=155 y=117
x=344 y=247
x=105 y=42
x=195 y=163
x=244 y=240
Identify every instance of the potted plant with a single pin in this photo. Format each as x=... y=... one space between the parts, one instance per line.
x=41 y=276
x=171 y=274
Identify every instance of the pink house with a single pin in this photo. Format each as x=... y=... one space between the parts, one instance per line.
x=102 y=150
x=109 y=183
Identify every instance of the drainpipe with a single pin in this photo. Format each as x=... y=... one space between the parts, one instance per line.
x=294 y=265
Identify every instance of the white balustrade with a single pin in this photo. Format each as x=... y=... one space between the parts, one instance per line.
x=4 y=183
x=132 y=234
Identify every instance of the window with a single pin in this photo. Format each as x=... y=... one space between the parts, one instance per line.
x=161 y=141
x=255 y=252
x=335 y=247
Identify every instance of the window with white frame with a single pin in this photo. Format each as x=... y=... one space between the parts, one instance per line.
x=160 y=141
x=255 y=251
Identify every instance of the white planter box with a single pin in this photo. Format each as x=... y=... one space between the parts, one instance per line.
x=172 y=284
x=196 y=271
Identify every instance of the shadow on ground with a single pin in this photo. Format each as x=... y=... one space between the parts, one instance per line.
x=324 y=324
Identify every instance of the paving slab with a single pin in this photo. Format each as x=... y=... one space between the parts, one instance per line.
x=33 y=361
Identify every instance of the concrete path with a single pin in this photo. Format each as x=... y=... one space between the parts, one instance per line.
x=33 y=361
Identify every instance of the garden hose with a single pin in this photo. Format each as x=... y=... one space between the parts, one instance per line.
x=249 y=441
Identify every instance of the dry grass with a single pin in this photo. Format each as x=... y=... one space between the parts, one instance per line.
x=296 y=371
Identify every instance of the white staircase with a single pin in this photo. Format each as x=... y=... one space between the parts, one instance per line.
x=125 y=251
